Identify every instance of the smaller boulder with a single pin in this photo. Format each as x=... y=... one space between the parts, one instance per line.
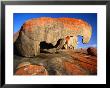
x=28 y=69
x=92 y=51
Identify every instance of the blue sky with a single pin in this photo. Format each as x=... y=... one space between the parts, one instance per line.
x=91 y=18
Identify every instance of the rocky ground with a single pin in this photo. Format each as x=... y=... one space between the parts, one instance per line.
x=64 y=62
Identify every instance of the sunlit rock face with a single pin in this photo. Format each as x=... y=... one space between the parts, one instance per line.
x=49 y=30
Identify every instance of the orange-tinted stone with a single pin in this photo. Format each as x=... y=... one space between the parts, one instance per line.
x=73 y=69
x=86 y=63
x=67 y=22
x=89 y=67
x=32 y=70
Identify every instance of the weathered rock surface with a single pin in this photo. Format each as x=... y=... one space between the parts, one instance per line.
x=73 y=69
x=92 y=51
x=50 y=30
x=23 y=64
x=65 y=62
x=31 y=70
x=55 y=66
x=15 y=36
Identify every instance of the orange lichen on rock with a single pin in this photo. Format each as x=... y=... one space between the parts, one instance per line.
x=91 y=68
x=73 y=23
x=73 y=69
x=88 y=63
x=67 y=39
x=37 y=22
x=69 y=23
x=32 y=70
x=82 y=58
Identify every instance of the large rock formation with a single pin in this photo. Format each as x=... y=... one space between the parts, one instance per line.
x=49 y=30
